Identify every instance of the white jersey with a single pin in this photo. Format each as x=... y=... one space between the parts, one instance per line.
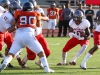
x=81 y=27
x=38 y=29
x=40 y=10
x=5 y=21
x=98 y=28
x=1 y=10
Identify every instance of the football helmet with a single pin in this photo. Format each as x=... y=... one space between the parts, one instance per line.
x=13 y=6
x=77 y=17
x=33 y=2
x=27 y=6
x=53 y=5
x=18 y=1
x=5 y=3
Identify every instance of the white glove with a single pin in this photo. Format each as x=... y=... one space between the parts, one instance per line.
x=71 y=34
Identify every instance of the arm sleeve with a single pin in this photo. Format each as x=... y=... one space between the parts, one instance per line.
x=42 y=11
x=87 y=23
x=2 y=9
x=70 y=22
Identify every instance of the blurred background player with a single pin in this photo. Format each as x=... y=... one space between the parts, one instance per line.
x=89 y=13
x=67 y=15
x=77 y=25
x=61 y=26
x=26 y=30
x=80 y=7
x=98 y=16
x=53 y=14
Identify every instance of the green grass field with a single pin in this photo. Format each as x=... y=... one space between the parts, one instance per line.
x=56 y=45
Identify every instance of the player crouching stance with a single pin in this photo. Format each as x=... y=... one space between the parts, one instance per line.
x=79 y=33
x=26 y=20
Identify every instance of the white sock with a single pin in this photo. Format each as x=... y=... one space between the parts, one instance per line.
x=88 y=55
x=7 y=60
x=25 y=59
x=18 y=56
x=83 y=48
x=44 y=62
x=64 y=54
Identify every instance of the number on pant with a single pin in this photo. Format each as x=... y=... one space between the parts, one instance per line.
x=31 y=20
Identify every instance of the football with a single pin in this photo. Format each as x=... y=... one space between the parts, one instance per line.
x=82 y=34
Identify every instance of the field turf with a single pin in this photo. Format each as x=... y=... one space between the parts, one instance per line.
x=56 y=44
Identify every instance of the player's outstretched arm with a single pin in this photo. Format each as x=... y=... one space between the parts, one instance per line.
x=13 y=26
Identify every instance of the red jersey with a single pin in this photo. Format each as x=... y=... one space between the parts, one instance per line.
x=26 y=19
x=60 y=14
x=52 y=13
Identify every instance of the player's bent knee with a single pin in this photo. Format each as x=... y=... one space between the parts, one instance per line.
x=41 y=54
x=31 y=57
x=47 y=54
x=11 y=55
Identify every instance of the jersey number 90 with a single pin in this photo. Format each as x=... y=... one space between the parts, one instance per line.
x=27 y=20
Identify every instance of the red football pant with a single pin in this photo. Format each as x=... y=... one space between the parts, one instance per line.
x=31 y=55
x=96 y=38
x=73 y=42
x=7 y=38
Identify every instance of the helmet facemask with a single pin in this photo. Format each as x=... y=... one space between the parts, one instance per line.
x=77 y=17
x=77 y=20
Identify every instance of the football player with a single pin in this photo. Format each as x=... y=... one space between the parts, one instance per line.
x=38 y=34
x=4 y=35
x=26 y=20
x=53 y=14
x=93 y=49
x=2 y=10
x=77 y=25
x=6 y=19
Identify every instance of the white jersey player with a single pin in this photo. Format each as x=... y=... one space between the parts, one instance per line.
x=80 y=34
x=5 y=25
x=96 y=46
x=2 y=10
x=39 y=29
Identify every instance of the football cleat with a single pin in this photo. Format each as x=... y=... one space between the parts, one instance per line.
x=72 y=63
x=10 y=65
x=59 y=64
x=39 y=64
x=49 y=70
x=83 y=66
x=23 y=65
x=2 y=67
